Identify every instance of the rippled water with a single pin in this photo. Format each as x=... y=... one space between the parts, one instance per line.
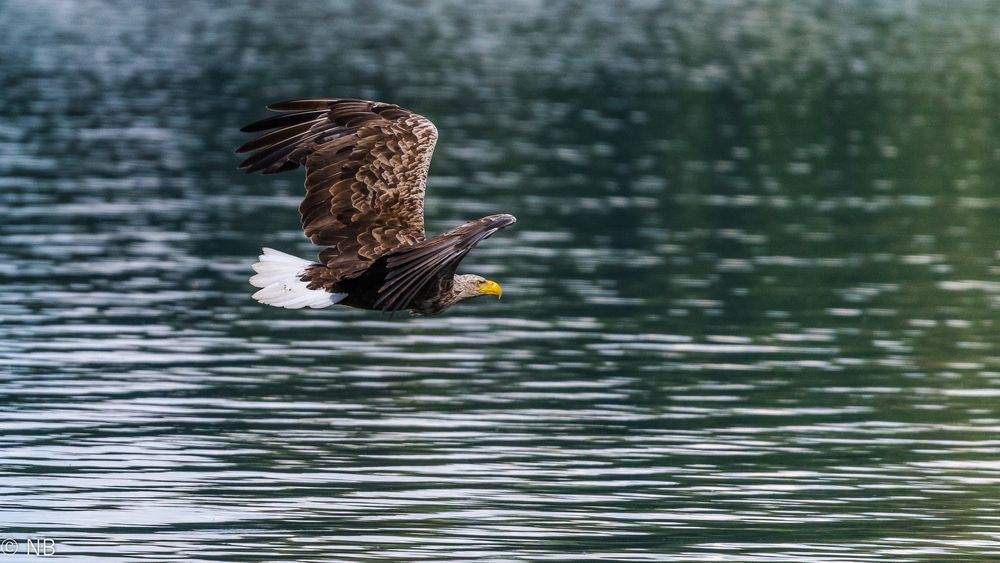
x=750 y=307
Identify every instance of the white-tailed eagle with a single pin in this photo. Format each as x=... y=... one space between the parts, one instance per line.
x=366 y=169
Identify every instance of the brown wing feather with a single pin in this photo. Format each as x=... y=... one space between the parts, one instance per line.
x=366 y=169
x=410 y=270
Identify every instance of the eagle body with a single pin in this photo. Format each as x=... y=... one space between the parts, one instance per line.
x=366 y=171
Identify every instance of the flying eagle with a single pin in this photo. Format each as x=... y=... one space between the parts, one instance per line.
x=366 y=169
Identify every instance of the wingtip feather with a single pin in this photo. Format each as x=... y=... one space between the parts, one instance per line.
x=301 y=104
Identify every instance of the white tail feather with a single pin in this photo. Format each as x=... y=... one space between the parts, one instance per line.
x=278 y=277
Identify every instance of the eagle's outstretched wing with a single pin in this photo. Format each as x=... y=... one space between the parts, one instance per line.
x=411 y=269
x=366 y=168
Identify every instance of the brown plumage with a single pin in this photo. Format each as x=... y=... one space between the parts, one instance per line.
x=366 y=169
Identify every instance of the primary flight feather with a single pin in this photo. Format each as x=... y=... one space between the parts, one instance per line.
x=366 y=170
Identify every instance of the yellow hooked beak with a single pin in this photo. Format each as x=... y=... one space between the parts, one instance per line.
x=491 y=288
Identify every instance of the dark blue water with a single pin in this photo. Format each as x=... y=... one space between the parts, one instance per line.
x=750 y=305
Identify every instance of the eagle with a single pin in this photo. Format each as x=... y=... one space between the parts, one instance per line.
x=366 y=171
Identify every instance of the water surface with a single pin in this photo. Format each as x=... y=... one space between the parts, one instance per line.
x=750 y=304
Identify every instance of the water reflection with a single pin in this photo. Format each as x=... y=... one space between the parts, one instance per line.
x=750 y=306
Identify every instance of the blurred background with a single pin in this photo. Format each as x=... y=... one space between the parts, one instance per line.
x=750 y=304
